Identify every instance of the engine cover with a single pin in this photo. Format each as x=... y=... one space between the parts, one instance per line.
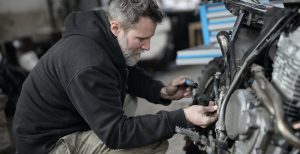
x=247 y=122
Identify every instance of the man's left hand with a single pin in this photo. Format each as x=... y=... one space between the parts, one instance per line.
x=176 y=89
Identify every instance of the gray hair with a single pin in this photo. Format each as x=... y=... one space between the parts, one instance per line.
x=128 y=12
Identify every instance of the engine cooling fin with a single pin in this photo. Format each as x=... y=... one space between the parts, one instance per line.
x=286 y=74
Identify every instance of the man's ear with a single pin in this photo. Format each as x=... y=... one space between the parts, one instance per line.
x=115 y=27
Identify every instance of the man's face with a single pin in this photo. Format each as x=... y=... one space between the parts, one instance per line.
x=136 y=40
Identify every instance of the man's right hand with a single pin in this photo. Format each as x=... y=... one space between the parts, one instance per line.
x=201 y=116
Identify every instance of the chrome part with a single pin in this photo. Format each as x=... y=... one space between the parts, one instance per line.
x=277 y=104
x=223 y=40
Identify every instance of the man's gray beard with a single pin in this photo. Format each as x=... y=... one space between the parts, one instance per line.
x=131 y=56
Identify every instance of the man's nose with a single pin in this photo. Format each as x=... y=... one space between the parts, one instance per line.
x=146 y=45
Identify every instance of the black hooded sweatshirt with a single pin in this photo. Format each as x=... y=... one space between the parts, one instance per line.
x=80 y=84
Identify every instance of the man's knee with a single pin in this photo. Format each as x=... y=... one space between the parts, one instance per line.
x=155 y=148
x=88 y=142
x=162 y=147
x=81 y=143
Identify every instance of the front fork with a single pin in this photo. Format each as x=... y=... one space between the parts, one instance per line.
x=206 y=139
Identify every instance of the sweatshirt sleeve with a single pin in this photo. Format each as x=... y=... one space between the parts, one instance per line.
x=143 y=85
x=96 y=96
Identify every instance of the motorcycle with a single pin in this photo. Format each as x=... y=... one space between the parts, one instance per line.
x=256 y=84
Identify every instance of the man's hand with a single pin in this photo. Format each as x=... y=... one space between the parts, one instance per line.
x=176 y=90
x=201 y=116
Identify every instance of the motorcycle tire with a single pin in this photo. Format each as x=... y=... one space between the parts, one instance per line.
x=205 y=88
x=206 y=77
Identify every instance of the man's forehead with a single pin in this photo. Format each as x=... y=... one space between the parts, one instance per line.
x=145 y=27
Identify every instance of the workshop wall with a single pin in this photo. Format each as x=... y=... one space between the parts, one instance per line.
x=22 y=18
x=21 y=6
x=32 y=17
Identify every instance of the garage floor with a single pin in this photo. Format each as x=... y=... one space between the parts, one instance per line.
x=176 y=143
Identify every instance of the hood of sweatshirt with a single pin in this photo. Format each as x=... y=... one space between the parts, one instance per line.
x=95 y=25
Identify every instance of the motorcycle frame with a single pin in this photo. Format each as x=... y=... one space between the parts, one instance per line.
x=270 y=32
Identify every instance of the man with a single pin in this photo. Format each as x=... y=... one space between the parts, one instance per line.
x=72 y=101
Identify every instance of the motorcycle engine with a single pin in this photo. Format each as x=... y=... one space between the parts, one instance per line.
x=286 y=74
x=248 y=123
x=250 y=126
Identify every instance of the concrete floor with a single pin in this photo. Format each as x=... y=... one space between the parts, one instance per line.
x=177 y=142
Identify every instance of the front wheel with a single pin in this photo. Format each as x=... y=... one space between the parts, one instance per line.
x=205 y=91
x=205 y=81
